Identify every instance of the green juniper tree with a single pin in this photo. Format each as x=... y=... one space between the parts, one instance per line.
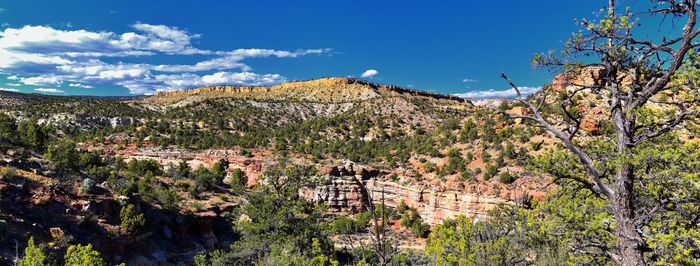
x=34 y=255
x=650 y=89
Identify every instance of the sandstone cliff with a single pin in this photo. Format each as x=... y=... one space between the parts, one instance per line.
x=325 y=90
x=349 y=188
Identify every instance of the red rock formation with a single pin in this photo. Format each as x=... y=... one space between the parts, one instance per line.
x=347 y=191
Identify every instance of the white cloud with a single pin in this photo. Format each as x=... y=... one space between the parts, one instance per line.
x=169 y=82
x=42 y=55
x=13 y=84
x=369 y=73
x=9 y=89
x=41 y=80
x=498 y=93
x=161 y=38
x=48 y=90
x=232 y=59
x=468 y=80
x=78 y=85
x=241 y=78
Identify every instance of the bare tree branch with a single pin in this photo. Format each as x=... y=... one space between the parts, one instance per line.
x=566 y=139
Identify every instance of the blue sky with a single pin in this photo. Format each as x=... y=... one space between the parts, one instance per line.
x=139 y=47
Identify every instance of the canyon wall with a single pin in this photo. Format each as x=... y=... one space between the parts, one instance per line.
x=348 y=187
x=348 y=190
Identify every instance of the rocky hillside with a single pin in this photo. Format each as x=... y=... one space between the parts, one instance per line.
x=441 y=156
x=325 y=90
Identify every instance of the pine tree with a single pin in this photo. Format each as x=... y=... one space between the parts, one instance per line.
x=79 y=255
x=34 y=255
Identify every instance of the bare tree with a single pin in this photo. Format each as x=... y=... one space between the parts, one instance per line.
x=383 y=244
x=635 y=73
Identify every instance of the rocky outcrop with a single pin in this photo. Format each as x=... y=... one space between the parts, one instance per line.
x=348 y=189
x=86 y=122
x=110 y=121
x=324 y=90
x=60 y=216
x=590 y=76
x=518 y=111
x=231 y=159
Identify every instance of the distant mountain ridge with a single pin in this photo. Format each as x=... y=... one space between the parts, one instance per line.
x=324 y=90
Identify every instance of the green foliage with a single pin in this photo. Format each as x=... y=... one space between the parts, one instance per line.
x=214 y=258
x=491 y=171
x=8 y=130
x=182 y=170
x=36 y=135
x=34 y=255
x=208 y=178
x=466 y=175
x=506 y=178
x=132 y=221
x=63 y=154
x=279 y=223
x=362 y=219
x=509 y=236
x=79 y=255
x=485 y=156
x=668 y=169
x=455 y=163
x=411 y=219
x=87 y=159
x=344 y=225
x=142 y=167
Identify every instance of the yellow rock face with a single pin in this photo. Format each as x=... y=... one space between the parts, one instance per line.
x=325 y=90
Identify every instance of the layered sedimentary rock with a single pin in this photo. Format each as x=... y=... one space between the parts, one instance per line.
x=324 y=90
x=348 y=190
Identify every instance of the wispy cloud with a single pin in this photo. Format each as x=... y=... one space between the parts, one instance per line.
x=48 y=90
x=470 y=80
x=41 y=80
x=45 y=56
x=9 y=89
x=78 y=85
x=369 y=73
x=482 y=94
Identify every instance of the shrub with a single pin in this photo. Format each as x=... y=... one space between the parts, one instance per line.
x=420 y=229
x=238 y=178
x=131 y=221
x=8 y=173
x=89 y=159
x=207 y=178
x=169 y=199
x=491 y=171
x=402 y=208
x=485 y=156
x=362 y=219
x=34 y=255
x=83 y=256
x=182 y=170
x=344 y=225
x=141 y=167
x=411 y=220
x=87 y=186
x=466 y=175
x=63 y=155
x=506 y=178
